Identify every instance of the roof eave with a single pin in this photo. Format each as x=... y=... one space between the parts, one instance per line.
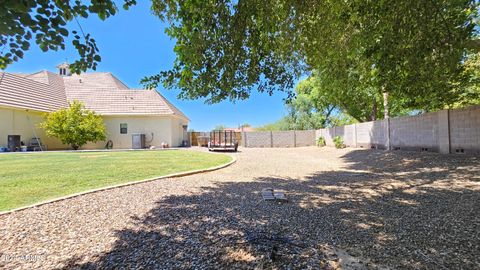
x=126 y=114
x=25 y=108
x=144 y=114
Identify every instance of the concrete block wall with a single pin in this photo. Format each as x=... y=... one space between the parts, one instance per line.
x=283 y=138
x=338 y=131
x=419 y=132
x=350 y=135
x=372 y=134
x=305 y=138
x=346 y=132
x=446 y=131
x=328 y=134
x=289 y=138
x=465 y=130
x=257 y=139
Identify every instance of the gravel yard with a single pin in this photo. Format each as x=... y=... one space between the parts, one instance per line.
x=348 y=209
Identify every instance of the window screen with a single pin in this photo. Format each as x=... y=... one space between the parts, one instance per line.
x=123 y=128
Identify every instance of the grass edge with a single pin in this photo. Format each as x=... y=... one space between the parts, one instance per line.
x=173 y=175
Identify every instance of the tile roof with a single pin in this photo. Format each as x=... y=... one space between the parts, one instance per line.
x=101 y=92
x=21 y=92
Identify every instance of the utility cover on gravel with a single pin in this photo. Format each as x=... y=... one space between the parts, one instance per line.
x=269 y=194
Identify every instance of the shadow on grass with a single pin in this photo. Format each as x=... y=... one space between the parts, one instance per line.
x=392 y=208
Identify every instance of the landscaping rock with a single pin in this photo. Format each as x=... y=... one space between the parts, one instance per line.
x=348 y=209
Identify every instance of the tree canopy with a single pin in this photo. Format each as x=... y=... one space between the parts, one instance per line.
x=362 y=104
x=45 y=22
x=410 y=48
x=469 y=92
x=75 y=125
x=317 y=106
x=410 y=51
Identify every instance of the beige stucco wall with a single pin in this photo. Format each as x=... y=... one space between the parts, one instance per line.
x=166 y=129
x=177 y=131
x=23 y=123
x=157 y=129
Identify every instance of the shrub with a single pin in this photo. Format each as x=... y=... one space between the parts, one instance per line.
x=75 y=126
x=338 y=141
x=321 y=142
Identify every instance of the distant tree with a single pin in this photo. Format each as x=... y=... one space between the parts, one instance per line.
x=75 y=126
x=301 y=120
x=302 y=114
x=45 y=21
x=363 y=103
x=281 y=124
x=469 y=93
x=220 y=127
x=310 y=109
x=341 y=119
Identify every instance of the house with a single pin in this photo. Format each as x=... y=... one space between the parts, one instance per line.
x=25 y=98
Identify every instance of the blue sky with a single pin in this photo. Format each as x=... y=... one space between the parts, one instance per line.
x=132 y=45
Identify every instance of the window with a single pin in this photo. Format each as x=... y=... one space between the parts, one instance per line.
x=123 y=128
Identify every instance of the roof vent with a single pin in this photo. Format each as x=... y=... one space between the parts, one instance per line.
x=64 y=69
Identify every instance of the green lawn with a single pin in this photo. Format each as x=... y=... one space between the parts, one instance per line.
x=28 y=178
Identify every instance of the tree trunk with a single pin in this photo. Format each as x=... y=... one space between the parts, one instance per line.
x=373 y=116
x=386 y=111
x=327 y=116
x=386 y=115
